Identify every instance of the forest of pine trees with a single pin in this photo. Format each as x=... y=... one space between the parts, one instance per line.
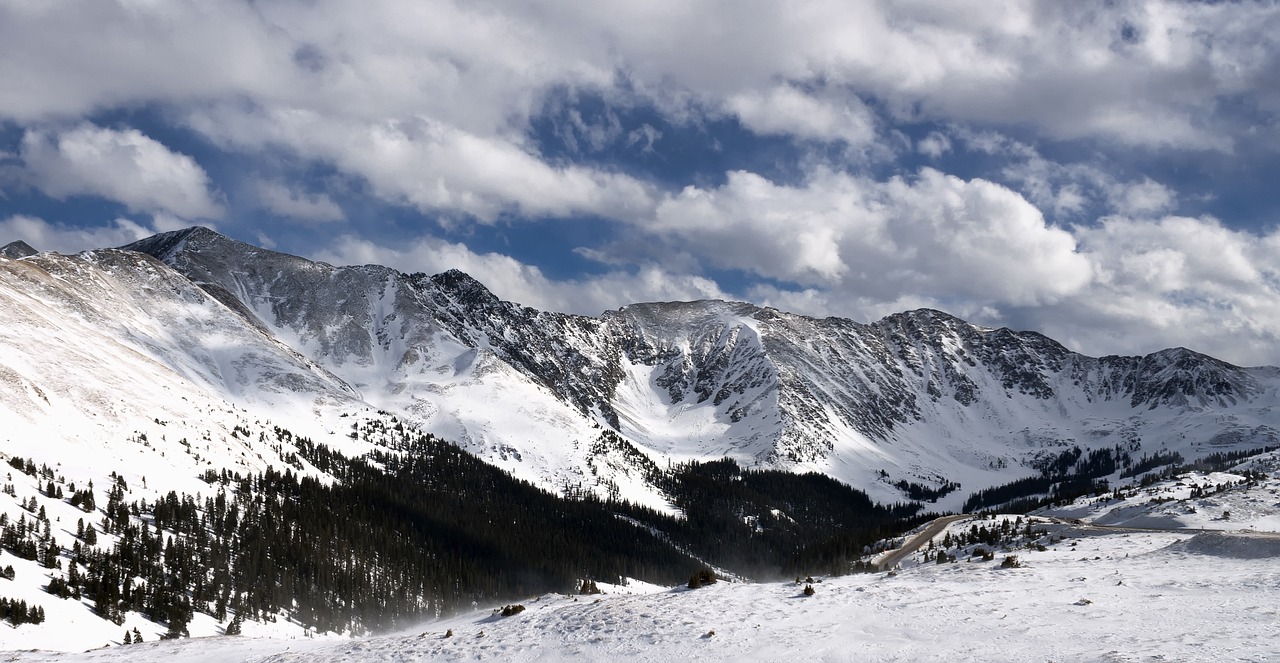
x=423 y=531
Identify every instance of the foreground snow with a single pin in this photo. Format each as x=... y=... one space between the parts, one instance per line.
x=1094 y=596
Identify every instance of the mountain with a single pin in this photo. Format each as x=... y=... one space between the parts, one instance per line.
x=189 y=419
x=16 y=250
x=917 y=404
x=919 y=397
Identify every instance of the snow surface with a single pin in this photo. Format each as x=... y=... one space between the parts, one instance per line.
x=1139 y=596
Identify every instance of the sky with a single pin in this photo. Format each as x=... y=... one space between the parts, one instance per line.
x=1101 y=172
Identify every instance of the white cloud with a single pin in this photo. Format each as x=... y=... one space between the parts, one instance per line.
x=785 y=110
x=515 y=281
x=436 y=167
x=1178 y=281
x=934 y=145
x=45 y=236
x=936 y=234
x=1068 y=190
x=483 y=67
x=281 y=200
x=1145 y=197
x=120 y=165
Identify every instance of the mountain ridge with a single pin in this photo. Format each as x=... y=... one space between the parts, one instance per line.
x=917 y=397
x=917 y=393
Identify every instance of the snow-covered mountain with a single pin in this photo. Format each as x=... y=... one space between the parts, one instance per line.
x=191 y=321
x=920 y=396
x=154 y=367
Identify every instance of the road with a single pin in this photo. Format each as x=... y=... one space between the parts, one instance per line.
x=935 y=528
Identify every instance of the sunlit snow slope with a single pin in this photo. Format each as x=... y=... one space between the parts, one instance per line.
x=191 y=322
x=920 y=397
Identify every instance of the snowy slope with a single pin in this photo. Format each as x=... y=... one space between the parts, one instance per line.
x=111 y=361
x=918 y=397
x=1121 y=597
x=388 y=336
x=197 y=353
x=1079 y=593
x=1193 y=500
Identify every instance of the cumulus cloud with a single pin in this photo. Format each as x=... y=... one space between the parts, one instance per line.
x=121 y=165
x=433 y=105
x=786 y=110
x=934 y=233
x=1144 y=73
x=1177 y=281
x=515 y=281
x=1069 y=189
x=1145 y=197
x=435 y=166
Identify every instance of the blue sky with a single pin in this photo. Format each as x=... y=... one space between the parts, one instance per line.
x=1102 y=172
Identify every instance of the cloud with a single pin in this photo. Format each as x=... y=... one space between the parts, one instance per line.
x=934 y=145
x=1176 y=281
x=435 y=167
x=1144 y=73
x=788 y=111
x=280 y=199
x=120 y=165
x=1145 y=197
x=515 y=281
x=46 y=236
x=934 y=233
x=1069 y=190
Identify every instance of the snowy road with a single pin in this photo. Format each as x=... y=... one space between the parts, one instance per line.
x=933 y=529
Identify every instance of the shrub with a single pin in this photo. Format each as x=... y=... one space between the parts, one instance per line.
x=808 y=590
x=1011 y=562
x=589 y=587
x=704 y=577
x=511 y=610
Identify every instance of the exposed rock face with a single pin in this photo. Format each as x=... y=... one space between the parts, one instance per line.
x=17 y=250
x=921 y=395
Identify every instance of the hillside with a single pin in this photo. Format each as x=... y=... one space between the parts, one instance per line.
x=188 y=419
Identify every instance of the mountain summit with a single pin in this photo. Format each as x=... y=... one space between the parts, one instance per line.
x=16 y=250
x=919 y=397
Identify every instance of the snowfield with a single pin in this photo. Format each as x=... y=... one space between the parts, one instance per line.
x=1091 y=596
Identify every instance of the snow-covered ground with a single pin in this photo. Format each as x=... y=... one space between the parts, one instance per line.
x=1138 y=596
x=1085 y=591
x=1204 y=589
x=1197 y=501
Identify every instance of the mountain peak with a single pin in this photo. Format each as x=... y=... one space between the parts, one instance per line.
x=166 y=245
x=463 y=286
x=18 y=249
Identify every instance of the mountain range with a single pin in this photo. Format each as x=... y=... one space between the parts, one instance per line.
x=192 y=334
